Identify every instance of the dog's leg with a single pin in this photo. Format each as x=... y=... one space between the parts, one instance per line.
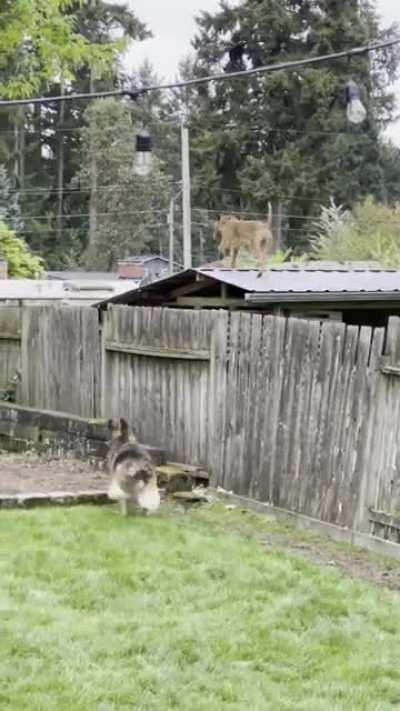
x=234 y=253
x=261 y=253
x=261 y=258
x=124 y=506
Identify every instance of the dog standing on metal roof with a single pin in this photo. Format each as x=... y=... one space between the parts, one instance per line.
x=255 y=235
x=132 y=472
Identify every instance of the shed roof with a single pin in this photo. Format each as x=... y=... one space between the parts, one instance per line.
x=308 y=279
x=281 y=282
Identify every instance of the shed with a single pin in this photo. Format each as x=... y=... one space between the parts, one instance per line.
x=355 y=293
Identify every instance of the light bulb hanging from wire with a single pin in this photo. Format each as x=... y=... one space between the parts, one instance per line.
x=356 y=111
x=143 y=157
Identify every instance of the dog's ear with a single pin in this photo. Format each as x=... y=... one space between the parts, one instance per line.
x=124 y=430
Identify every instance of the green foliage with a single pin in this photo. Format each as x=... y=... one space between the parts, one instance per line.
x=71 y=46
x=10 y=211
x=39 y=40
x=249 y=261
x=369 y=232
x=184 y=611
x=21 y=262
x=9 y=394
x=127 y=210
x=284 y=136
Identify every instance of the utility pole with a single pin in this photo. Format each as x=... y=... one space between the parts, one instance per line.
x=201 y=246
x=171 y=226
x=186 y=202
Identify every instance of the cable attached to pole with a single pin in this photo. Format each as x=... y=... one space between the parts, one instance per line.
x=135 y=94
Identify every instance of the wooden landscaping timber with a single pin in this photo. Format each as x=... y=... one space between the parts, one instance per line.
x=384 y=519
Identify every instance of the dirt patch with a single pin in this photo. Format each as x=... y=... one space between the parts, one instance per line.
x=280 y=535
x=354 y=562
x=30 y=474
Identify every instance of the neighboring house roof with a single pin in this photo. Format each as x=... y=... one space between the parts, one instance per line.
x=142 y=259
x=282 y=283
x=96 y=276
x=54 y=290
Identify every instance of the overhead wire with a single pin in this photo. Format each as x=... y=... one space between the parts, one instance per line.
x=249 y=129
x=136 y=93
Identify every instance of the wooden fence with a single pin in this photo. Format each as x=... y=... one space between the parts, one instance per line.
x=300 y=414
x=156 y=372
x=10 y=344
x=56 y=351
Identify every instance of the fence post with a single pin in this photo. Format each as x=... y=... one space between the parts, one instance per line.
x=392 y=349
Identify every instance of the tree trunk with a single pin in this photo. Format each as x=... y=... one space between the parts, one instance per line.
x=19 y=148
x=93 y=200
x=60 y=168
x=22 y=148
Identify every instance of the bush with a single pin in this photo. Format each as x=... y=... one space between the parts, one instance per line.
x=370 y=232
x=246 y=260
x=21 y=262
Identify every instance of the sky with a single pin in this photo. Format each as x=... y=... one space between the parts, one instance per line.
x=173 y=25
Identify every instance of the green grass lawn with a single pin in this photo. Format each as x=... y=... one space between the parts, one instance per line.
x=183 y=611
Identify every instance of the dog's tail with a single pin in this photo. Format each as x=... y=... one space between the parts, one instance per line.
x=130 y=452
x=270 y=215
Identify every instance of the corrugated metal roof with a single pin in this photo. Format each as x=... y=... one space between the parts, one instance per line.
x=310 y=279
x=313 y=279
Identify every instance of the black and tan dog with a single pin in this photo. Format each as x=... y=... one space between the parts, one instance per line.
x=133 y=476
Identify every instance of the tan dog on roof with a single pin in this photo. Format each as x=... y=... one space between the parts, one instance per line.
x=255 y=235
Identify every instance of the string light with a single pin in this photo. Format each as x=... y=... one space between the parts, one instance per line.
x=356 y=111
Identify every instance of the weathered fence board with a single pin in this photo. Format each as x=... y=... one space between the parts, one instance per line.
x=10 y=344
x=298 y=428
x=156 y=372
x=60 y=359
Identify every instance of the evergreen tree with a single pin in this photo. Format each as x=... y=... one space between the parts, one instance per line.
x=10 y=211
x=284 y=136
x=41 y=147
x=129 y=209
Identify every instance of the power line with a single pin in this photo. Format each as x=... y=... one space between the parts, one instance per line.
x=66 y=216
x=99 y=214
x=123 y=231
x=70 y=97
x=73 y=191
x=255 y=214
x=277 y=197
x=135 y=94
x=51 y=131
